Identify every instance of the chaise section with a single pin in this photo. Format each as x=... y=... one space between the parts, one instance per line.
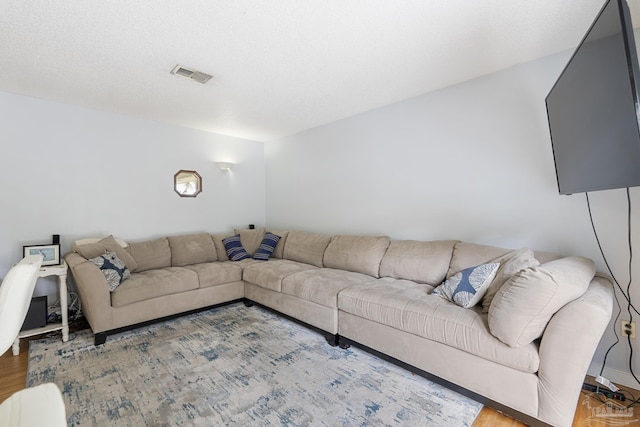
x=410 y=307
x=505 y=387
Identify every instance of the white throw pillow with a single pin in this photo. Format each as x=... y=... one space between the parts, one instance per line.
x=524 y=305
x=467 y=287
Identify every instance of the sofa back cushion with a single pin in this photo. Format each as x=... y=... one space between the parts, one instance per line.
x=99 y=247
x=279 y=250
x=221 y=251
x=250 y=238
x=421 y=262
x=306 y=247
x=359 y=254
x=191 y=249
x=467 y=255
x=525 y=303
x=151 y=254
x=511 y=263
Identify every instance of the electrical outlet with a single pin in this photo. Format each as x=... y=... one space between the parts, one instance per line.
x=628 y=328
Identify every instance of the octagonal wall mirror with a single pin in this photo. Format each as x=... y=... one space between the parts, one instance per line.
x=187 y=183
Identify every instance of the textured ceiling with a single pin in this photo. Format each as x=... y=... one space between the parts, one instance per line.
x=279 y=66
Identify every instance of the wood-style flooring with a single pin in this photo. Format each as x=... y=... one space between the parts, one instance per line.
x=589 y=412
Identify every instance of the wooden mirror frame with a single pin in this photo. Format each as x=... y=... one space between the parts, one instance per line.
x=182 y=180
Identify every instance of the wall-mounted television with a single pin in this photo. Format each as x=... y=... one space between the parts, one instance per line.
x=593 y=108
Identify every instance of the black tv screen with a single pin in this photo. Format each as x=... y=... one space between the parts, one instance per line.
x=593 y=108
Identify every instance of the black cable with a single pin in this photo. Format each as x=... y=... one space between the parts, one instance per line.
x=629 y=284
x=605 y=258
x=627 y=294
x=615 y=332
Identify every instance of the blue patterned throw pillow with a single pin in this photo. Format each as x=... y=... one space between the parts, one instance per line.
x=113 y=268
x=467 y=287
x=234 y=248
x=267 y=247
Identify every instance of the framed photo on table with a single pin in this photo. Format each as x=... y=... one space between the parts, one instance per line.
x=50 y=253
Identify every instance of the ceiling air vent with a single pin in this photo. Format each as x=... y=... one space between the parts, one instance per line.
x=197 y=76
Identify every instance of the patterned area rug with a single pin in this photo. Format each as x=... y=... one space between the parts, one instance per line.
x=236 y=366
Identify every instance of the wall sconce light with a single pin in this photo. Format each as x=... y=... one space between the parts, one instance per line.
x=224 y=166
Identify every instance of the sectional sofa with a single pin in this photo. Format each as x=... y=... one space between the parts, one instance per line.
x=522 y=345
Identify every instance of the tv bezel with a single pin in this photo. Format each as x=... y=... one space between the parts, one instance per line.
x=633 y=73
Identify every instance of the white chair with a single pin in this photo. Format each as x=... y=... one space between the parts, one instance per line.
x=36 y=406
x=15 y=296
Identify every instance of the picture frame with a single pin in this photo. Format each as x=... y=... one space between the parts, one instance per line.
x=51 y=253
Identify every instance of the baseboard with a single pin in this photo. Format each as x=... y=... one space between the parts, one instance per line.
x=620 y=378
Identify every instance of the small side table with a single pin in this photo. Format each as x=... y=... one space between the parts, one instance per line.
x=61 y=272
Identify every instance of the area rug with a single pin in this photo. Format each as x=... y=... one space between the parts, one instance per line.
x=236 y=366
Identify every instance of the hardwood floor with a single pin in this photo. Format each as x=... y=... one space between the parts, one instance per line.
x=13 y=371
x=589 y=412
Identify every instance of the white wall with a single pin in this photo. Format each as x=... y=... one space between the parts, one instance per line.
x=83 y=173
x=470 y=162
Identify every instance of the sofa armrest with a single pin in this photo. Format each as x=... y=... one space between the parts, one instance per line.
x=566 y=350
x=93 y=291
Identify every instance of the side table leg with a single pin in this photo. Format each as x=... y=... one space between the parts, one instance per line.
x=16 y=347
x=64 y=307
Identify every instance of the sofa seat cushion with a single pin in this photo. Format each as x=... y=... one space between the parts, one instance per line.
x=321 y=285
x=270 y=274
x=154 y=283
x=216 y=273
x=410 y=307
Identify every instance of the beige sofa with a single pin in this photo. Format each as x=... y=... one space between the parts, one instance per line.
x=526 y=352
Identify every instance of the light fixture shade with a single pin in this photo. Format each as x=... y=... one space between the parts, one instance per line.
x=224 y=166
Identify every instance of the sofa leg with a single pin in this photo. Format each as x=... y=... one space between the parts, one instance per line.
x=332 y=339
x=248 y=303
x=344 y=345
x=100 y=338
